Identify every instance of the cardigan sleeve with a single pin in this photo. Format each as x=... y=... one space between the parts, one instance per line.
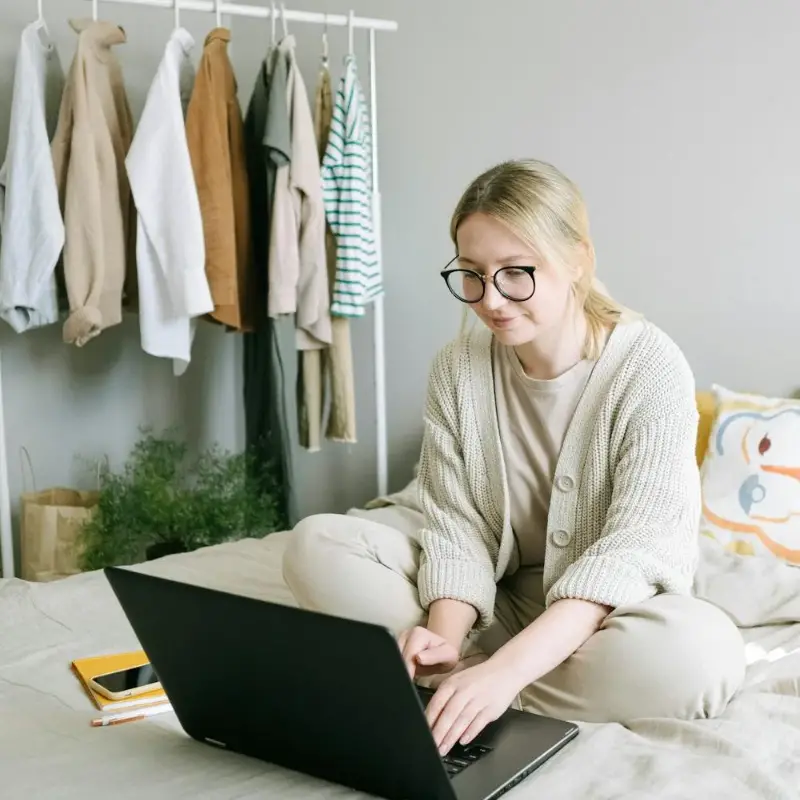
x=649 y=543
x=456 y=563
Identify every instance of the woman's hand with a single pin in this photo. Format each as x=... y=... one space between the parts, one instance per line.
x=468 y=701
x=426 y=653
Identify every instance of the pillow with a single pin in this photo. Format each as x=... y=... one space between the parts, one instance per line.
x=707 y=410
x=751 y=476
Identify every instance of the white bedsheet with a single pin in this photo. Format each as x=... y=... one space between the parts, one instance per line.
x=48 y=750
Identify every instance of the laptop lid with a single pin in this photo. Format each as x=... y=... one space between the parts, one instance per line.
x=310 y=692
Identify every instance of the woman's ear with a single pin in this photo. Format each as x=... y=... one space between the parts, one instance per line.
x=585 y=253
x=584 y=266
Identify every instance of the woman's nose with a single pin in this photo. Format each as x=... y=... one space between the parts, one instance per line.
x=492 y=299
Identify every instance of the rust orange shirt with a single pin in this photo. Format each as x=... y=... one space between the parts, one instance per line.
x=214 y=130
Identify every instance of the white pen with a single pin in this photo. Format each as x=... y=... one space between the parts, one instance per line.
x=131 y=716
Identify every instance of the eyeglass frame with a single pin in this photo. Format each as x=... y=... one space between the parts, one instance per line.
x=446 y=273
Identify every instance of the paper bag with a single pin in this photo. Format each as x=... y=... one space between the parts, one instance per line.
x=50 y=526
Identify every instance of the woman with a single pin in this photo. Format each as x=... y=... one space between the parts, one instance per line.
x=560 y=493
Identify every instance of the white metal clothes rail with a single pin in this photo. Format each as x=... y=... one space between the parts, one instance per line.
x=275 y=11
x=272 y=12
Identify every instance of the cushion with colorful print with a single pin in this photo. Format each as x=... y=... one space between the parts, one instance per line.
x=751 y=476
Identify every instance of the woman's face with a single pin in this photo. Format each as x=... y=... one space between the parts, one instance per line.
x=486 y=245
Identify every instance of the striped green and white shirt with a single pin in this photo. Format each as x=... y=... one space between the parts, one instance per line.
x=347 y=187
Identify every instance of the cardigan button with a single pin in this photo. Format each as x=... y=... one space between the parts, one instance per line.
x=561 y=538
x=565 y=483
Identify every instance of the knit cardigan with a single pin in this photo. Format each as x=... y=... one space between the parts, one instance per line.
x=624 y=513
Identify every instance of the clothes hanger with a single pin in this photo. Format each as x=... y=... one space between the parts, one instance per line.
x=325 y=42
x=350 y=16
x=218 y=12
x=176 y=12
x=272 y=15
x=283 y=20
x=40 y=20
x=95 y=15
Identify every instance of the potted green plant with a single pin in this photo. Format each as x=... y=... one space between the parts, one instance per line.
x=162 y=502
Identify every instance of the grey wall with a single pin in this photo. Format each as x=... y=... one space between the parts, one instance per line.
x=680 y=120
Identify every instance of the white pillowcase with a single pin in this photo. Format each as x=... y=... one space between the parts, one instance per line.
x=751 y=476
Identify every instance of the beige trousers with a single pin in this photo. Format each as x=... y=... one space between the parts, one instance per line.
x=670 y=656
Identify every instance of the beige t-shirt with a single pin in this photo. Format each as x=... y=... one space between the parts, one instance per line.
x=534 y=416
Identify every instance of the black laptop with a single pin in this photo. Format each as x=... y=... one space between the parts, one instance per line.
x=318 y=694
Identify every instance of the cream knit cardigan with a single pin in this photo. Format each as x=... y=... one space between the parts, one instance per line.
x=625 y=508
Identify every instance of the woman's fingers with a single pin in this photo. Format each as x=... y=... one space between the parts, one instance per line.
x=438 y=654
x=437 y=703
x=423 y=651
x=448 y=716
x=454 y=720
x=402 y=643
x=402 y=639
x=475 y=727
x=415 y=642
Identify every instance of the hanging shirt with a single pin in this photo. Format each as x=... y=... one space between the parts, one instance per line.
x=94 y=132
x=331 y=368
x=30 y=217
x=297 y=261
x=268 y=146
x=266 y=434
x=214 y=129
x=347 y=184
x=277 y=138
x=173 y=288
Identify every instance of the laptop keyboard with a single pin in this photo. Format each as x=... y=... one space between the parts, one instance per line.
x=463 y=756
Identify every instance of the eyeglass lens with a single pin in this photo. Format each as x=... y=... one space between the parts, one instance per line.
x=512 y=283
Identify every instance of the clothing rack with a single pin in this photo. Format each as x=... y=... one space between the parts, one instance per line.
x=6 y=536
x=260 y=12
x=351 y=22
x=219 y=9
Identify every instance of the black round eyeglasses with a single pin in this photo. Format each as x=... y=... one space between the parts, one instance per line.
x=514 y=283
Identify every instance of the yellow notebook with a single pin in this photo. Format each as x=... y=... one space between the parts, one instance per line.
x=88 y=668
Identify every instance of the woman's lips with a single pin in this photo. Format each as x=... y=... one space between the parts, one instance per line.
x=502 y=322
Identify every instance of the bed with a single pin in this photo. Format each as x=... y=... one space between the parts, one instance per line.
x=48 y=750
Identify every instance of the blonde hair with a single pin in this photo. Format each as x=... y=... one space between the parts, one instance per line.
x=546 y=210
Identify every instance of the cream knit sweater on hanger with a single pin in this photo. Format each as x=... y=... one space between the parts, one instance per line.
x=623 y=518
